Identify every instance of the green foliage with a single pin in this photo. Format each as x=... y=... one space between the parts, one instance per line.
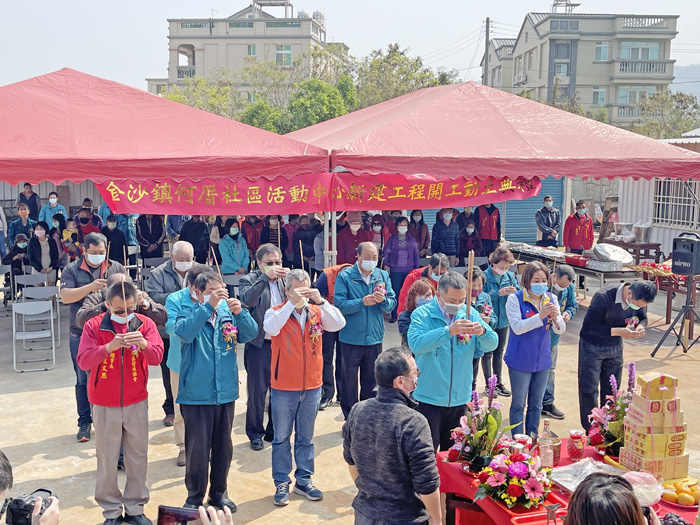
x=314 y=101
x=601 y=115
x=218 y=95
x=348 y=91
x=264 y=116
x=668 y=115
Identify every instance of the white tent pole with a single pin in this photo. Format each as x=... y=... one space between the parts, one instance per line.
x=334 y=248
x=326 y=253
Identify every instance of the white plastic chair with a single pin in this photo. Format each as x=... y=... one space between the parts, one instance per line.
x=459 y=269
x=33 y=309
x=44 y=293
x=235 y=281
x=480 y=261
x=34 y=279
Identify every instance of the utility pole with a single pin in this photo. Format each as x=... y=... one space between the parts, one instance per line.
x=485 y=79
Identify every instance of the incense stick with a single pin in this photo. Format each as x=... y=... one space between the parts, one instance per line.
x=554 y=274
x=124 y=250
x=279 y=237
x=218 y=268
x=470 y=273
x=301 y=255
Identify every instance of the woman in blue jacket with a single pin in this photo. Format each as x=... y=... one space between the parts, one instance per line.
x=533 y=313
x=233 y=249
x=500 y=284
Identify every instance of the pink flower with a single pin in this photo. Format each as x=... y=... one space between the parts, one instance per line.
x=518 y=470
x=533 y=489
x=499 y=463
x=496 y=479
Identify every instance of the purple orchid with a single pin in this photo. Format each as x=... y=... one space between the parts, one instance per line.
x=492 y=382
x=613 y=386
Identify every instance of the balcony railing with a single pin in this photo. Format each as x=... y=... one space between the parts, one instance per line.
x=635 y=112
x=642 y=66
x=185 y=72
x=644 y=22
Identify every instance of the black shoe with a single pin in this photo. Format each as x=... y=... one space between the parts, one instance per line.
x=84 y=433
x=223 y=502
x=269 y=437
x=501 y=390
x=495 y=392
x=552 y=411
x=392 y=320
x=113 y=521
x=121 y=466
x=325 y=403
x=190 y=506
x=139 y=519
x=256 y=444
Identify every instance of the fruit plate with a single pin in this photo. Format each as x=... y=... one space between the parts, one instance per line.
x=678 y=506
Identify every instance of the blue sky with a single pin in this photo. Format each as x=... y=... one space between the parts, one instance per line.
x=126 y=41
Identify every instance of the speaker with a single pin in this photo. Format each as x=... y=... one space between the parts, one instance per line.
x=686 y=254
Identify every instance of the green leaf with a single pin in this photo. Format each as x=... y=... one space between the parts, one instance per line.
x=480 y=494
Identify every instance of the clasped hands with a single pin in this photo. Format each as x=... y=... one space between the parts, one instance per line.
x=464 y=326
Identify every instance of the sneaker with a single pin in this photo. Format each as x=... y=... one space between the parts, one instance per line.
x=308 y=491
x=495 y=392
x=120 y=465
x=113 y=521
x=84 y=433
x=138 y=519
x=552 y=411
x=169 y=420
x=282 y=495
x=256 y=444
x=501 y=390
x=325 y=403
x=181 y=459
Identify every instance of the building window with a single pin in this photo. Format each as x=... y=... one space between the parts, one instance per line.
x=562 y=51
x=499 y=75
x=196 y=25
x=519 y=65
x=601 y=51
x=573 y=25
x=531 y=59
x=238 y=25
x=674 y=205
x=633 y=94
x=283 y=56
x=251 y=50
x=598 y=95
x=640 y=50
x=561 y=69
x=553 y=25
x=314 y=29
x=282 y=24
x=563 y=25
x=251 y=96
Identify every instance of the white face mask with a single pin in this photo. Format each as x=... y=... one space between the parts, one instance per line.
x=470 y=230
x=111 y=225
x=121 y=320
x=414 y=380
x=301 y=303
x=447 y=216
x=377 y=228
x=183 y=266
x=558 y=288
x=402 y=229
x=498 y=271
x=206 y=298
x=274 y=222
x=355 y=228
x=53 y=201
x=368 y=266
x=417 y=217
x=452 y=309
x=96 y=259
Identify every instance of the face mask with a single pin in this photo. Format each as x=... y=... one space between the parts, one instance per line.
x=470 y=230
x=304 y=226
x=53 y=201
x=274 y=222
x=55 y=224
x=452 y=309
x=301 y=303
x=435 y=277
x=538 y=288
x=368 y=266
x=377 y=228
x=417 y=217
x=121 y=320
x=633 y=306
x=23 y=213
x=558 y=288
x=402 y=229
x=96 y=259
x=22 y=245
x=548 y=204
x=355 y=228
x=420 y=301
x=40 y=233
x=447 y=216
x=111 y=225
x=234 y=231
x=414 y=381
x=183 y=266
x=581 y=211
x=206 y=298
x=475 y=293
x=498 y=271
x=84 y=220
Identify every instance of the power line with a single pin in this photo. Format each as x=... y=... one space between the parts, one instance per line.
x=456 y=42
x=455 y=51
x=476 y=49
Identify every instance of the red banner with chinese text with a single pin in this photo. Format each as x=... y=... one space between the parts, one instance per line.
x=311 y=193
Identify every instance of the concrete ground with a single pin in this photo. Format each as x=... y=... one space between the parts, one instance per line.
x=38 y=427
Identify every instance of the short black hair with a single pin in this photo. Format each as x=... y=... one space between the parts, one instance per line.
x=439 y=259
x=53 y=193
x=87 y=199
x=391 y=363
x=643 y=291
x=230 y=222
x=193 y=272
x=476 y=274
x=547 y=197
x=44 y=225
x=208 y=274
x=27 y=184
x=581 y=203
x=116 y=291
x=5 y=473
x=94 y=239
x=398 y=220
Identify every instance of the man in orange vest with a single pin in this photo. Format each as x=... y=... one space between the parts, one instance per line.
x=296 y=328
x=488 y=221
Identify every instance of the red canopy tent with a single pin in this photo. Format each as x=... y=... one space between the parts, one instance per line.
x=146 y=153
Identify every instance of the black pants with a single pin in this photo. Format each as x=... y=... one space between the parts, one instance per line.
x=488 y=247
x=475 y=372
x=357 y=358
x=207 y=441
x=595 y=366
x=441 y=421
x=581 y=278
x=331 y=378
x=257 y=366
x=168 y=406
x=547 y=242
x=495 y=357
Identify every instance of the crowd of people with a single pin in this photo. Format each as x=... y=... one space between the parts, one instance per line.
x=309 y=333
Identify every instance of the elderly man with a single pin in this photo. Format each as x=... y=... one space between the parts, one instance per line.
x=261 y=289
x=88 y=273
x=117 y=347
x=167 y=278
x=387 y=443
x=350 y=238
x=295 y=328
x=438 y=265
x=443 y=338
x=363 y=294
x=208 y=386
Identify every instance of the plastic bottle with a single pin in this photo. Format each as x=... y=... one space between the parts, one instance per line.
x=546 y=446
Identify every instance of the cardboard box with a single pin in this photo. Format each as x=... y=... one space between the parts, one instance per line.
x=677 y=437
x=655 y=420
x=639 y=428
x=666 y=468
x=667 y=406
x=655 y=385
x=655 y=448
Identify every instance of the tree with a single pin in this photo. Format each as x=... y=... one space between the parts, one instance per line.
x=218 y=94
x=668 y=115
x=314 y=101
x=348 y=91
x=264 y=116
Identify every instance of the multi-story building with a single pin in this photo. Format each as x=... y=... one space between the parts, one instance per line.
x=611 y=60
x=202 y=46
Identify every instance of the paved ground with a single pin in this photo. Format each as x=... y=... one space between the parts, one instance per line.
x=38 y=427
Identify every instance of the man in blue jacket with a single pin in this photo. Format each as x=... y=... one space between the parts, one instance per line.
x=445 y=237
x=443 y=339
x=363 y=294
x=209 y=386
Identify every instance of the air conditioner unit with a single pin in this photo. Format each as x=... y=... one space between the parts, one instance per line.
x=518 y=78
x=524 y=78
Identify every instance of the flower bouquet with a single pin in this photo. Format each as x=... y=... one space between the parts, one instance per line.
x=632 y=322
x=464 y=338
x=485 y=309
x=316 y=331
x=480 y=432
x=380 y=288
x=229 y=332
x=607 y=430
x=513 y=479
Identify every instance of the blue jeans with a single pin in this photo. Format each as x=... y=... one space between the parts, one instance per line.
x=527 y=387
x=549 y=391
x=81 y=394
x=297 y=408
x=3 y=248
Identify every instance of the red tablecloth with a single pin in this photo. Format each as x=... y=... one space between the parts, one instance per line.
x=454 y=480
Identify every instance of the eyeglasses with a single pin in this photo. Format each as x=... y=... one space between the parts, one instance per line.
x=271 y=263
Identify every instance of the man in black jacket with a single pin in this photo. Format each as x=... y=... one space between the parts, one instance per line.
x=116 y=241
x=261 y=289
x=196 y=232
x=398 y=453
x=150 y=234
x=304 y=235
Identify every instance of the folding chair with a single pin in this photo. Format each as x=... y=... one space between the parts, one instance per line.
x=33 y=309
x=6 y=289
x=144 y=275
x=44 y=293
x=459 y=269
x=34 y=279
x=480 y=261
x=152 y=262
x=233 y=281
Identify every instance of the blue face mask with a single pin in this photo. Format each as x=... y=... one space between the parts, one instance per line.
x=420 y=301
x=538 y=288
x=548 y=204
x=435 y=277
